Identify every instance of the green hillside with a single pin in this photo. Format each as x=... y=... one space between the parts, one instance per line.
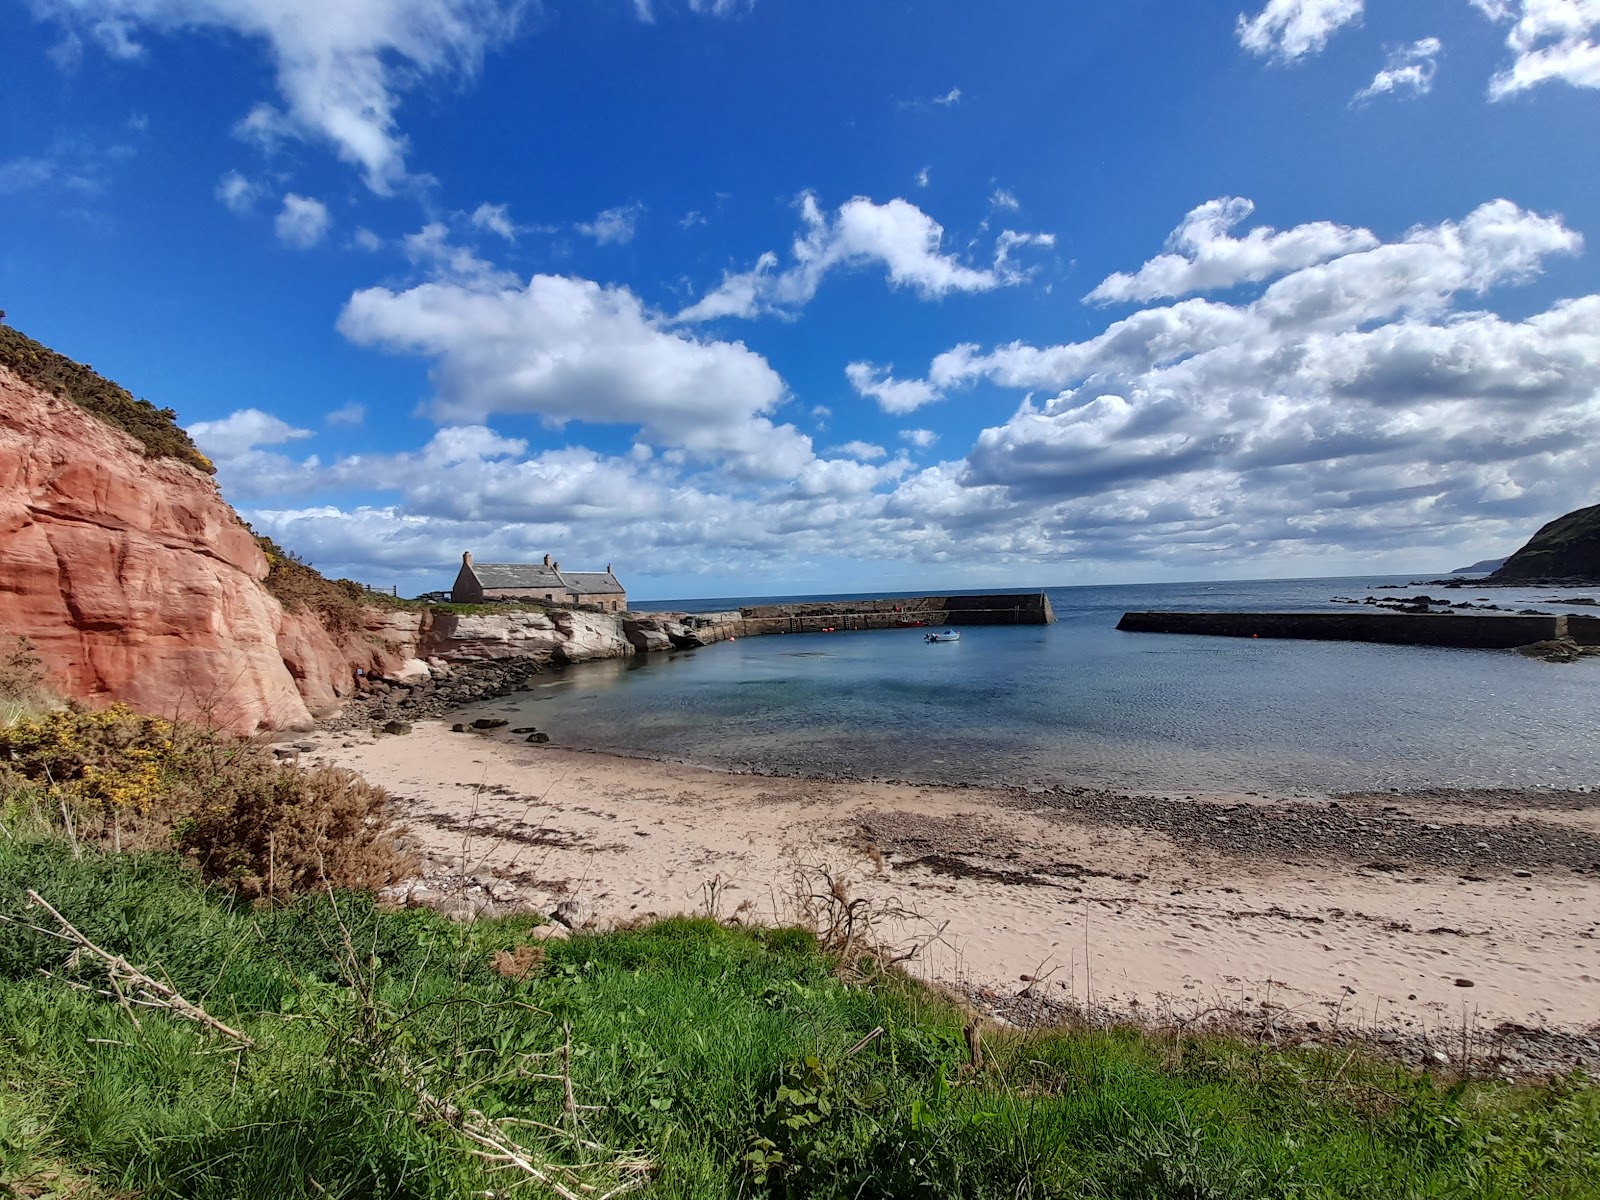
x=1566 y=548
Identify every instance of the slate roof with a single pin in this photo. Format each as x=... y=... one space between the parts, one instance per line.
x=593 y=583
x=534 y=576
x=518 y=575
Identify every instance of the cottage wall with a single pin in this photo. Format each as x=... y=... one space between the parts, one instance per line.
x=466 y=589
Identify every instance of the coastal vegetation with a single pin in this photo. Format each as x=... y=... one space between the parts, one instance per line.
x=226 y=1010
x=155 y=428
x=1567 y=548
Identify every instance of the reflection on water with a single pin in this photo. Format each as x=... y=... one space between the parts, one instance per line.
x=1080 y=702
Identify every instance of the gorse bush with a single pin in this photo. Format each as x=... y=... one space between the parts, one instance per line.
x=131 y=781
x=156 y=429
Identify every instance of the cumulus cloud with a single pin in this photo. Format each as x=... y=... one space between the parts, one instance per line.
x=1350 y=404
x=1550 y=40
x=1202 y=255
x=614 y=226
x=1409 y=69
x=1287 y=30
x=243 y=431
x=302 y=222
x=897 y=235
x=569 y=349
x=920 y=438
x=893 y=395
x=341 y=68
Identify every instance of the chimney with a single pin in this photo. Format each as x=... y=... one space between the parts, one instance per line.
x=466 y=558
x=555 y=566
x=547 y=560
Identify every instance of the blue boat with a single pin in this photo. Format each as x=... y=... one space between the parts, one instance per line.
x=947 y=635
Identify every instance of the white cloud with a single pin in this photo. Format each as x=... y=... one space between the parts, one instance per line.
x=950 y=98
x=350 y=414
x=614 y=226
x=864 y=451
x=898 y=235
x=1202 y=256
x=721 y=8
x=26 y=174
x=1408 y=69
x=893 y=395
x=692 y=218
x=1349 y=405
x=237 y=194
x=243 y=431
x=364 y=239
x=431 y=249
x=1290 y=29
x=1552 y=41
x=302 y=222
x=341 y=67
x=496 y=219
x=924 y=177
x=569 y=349
x=1344 y=415
x=1005 y=200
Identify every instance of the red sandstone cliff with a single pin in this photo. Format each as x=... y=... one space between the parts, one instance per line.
x=136 y=581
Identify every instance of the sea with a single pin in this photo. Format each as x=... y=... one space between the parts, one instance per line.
x=1079 y=703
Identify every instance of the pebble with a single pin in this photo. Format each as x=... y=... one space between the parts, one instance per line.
x=1465 y=983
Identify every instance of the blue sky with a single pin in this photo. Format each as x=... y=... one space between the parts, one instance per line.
x=753 y=296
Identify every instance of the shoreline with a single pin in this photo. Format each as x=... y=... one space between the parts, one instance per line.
x=1312 y=917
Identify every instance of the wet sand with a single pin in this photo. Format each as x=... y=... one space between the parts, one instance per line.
x=1421 y=913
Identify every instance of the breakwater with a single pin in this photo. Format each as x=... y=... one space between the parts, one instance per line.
x=816 y=616
x=1476 y=631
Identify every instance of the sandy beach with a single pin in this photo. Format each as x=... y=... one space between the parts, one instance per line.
x=1422 y=914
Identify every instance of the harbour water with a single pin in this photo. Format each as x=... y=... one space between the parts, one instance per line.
x=1080 y=703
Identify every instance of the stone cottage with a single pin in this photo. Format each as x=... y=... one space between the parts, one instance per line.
x=477 y=582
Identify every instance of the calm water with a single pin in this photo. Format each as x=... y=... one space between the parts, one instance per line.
x=1079 y=702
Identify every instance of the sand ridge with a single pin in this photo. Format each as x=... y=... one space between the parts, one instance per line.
x=1079 y=896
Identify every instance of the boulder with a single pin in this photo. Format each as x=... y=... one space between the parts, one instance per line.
x=646 y=634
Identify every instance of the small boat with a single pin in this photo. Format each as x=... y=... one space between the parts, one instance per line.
x=948 y=635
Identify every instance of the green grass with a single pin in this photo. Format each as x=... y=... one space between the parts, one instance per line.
x=721 y=1054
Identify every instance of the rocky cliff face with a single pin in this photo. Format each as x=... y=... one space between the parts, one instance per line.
x=130 y=574
x=135 y=581
x=1566 y=548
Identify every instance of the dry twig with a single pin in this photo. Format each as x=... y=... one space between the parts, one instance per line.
x=141 y=987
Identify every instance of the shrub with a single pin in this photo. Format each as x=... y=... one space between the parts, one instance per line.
x=270 y=829
x=156 y=428
x=258 y=825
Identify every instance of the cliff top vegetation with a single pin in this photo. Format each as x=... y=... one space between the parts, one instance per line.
x=300 y=587
x=1566 y=548
x=156 y=429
